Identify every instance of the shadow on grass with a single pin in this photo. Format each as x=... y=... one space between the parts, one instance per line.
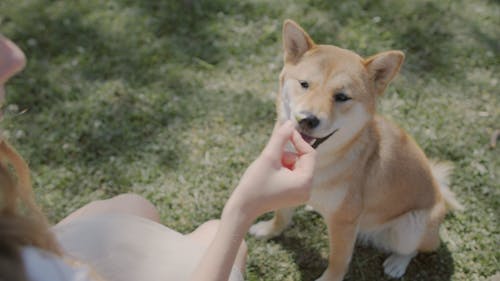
x=121 y=124
x=366 y=263
x=126 y=122
x=178 y=34
x=419 y=28
x=311 y=264
x=97 y=95
x=489 y=42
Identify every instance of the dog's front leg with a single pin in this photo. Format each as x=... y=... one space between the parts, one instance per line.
x=273 y=227
x=342 y=236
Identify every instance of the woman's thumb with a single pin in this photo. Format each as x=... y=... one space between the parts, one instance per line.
x=280 y=136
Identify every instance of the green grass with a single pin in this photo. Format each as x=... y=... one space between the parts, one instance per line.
x=173 y=100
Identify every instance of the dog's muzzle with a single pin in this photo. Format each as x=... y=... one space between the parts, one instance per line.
x=308 y=123
x=315 y=142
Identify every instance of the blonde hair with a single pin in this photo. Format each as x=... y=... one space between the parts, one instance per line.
x=22 y=223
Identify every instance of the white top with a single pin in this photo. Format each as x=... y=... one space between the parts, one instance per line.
x=41 y=265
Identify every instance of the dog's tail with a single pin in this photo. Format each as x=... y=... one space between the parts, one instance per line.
x=441 y=172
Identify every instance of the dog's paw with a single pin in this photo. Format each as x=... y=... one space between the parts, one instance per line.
x=330 y=276
x=322 y=278
x=395 y=265
x=309 y=208
x=265 y=230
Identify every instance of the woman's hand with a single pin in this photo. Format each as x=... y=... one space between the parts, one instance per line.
x=277 y=178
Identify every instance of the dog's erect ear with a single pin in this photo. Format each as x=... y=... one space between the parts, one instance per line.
x=295 y=41
x=383 y=67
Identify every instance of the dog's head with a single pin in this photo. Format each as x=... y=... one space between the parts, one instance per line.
x=329 y=92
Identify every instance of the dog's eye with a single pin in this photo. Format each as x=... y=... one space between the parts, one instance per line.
x=341 y=97
x=304 y=84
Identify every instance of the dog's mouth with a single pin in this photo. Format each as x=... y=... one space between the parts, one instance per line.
x=315 y=142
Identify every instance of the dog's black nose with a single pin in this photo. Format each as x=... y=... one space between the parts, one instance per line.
x=308 y=123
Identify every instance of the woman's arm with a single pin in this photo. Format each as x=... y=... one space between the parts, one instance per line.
x=276 y=179
x=218 y=260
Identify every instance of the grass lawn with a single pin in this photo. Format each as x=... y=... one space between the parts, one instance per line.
x=173 y=99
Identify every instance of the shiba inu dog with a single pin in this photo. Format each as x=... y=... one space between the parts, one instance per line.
x=372 y=181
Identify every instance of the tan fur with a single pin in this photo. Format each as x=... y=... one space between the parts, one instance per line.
x=372 y=180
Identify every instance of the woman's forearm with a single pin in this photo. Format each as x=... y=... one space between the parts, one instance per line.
x=217 y=262
x=269 y=183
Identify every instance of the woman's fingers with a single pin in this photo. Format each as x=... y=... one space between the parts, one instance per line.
x=300 y=144
x=281 y=135
x=306 y=155
x=304 y=158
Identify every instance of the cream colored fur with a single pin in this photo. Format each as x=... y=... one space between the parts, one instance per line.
x=372 y=181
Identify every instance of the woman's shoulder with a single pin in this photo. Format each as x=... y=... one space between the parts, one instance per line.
x=108 y=226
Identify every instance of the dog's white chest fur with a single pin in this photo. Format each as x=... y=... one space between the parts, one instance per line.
x=330 y=187
x=327 y=199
